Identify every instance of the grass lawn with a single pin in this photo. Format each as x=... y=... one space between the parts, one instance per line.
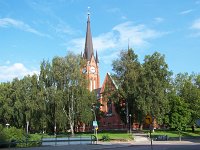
x=110 y=135
x=123 y=136
x=187 y=133
x=114 y=136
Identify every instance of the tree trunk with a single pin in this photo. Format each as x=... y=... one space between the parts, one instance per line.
x=179 y=135
x=192 y=128
x=72 y=128
x=141 y=126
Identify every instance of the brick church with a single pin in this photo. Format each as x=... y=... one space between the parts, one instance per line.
x=111 y=119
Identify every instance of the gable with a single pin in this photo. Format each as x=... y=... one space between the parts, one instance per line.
x=108 y=83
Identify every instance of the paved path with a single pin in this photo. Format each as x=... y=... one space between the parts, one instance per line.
x=140 y=137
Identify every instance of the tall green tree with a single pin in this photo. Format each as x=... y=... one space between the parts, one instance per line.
x=127 y=71
x=154 y=84
x=6 y=103
x=187 y=88
x=67 y=100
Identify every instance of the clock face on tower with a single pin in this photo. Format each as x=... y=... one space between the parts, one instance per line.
x=92 y=70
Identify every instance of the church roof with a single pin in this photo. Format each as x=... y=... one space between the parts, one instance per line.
x=88 y=52
x=113 y=81
x=97 y=59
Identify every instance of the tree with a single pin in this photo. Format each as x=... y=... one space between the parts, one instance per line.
x=154 y=85
x=67 y=99
x=6 y=103
x=76 y=94
x=179 y=114
x=127 y=70
x=187 y=88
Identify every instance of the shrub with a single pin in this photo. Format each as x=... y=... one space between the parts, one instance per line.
x=2 y=137
x=13 y=135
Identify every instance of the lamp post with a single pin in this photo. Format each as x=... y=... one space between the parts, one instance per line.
x=27 y=124
x=7 y=125
x=130 y=129
x=95 y=122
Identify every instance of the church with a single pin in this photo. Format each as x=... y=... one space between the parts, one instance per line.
x=111 y=119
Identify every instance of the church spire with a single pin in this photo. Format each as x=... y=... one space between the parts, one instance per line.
x=97 y=59
x=88 y=52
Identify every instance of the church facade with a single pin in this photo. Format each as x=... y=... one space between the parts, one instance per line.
x=110 y=119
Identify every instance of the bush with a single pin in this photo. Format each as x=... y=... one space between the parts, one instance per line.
x=17 y=138
x=105 y=138
x=13 y=135
x=2 y=137
x=36 y=140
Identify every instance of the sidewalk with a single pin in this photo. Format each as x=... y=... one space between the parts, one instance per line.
x=140 y=137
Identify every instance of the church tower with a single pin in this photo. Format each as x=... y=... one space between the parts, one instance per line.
x=91 y=68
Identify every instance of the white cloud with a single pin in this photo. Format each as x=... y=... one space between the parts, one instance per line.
x=9 y=22
x=139 y=36
x=8 y=72
x=196 y=24
x=186 y=12
x=118 y=37
x=196 y=27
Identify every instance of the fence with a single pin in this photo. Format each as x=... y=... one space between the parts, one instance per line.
x=56 y=141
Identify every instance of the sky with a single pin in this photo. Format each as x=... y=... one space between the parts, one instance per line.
x=36 y=30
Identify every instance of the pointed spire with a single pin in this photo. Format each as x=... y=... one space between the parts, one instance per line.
x=88 y=52
x=97 y=59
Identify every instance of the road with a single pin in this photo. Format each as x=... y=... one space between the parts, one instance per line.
x=124 y=146
x=159 y=147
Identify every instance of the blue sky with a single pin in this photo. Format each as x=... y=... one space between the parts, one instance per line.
x=33 y=30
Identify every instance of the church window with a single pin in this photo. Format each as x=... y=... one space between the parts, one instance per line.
x=109 y=107
x=90 y=85
x=94 y=84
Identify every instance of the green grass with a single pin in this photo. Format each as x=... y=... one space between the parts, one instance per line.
x=112 y=135
x=116 y=136
x=123 y=136
x=187 y=133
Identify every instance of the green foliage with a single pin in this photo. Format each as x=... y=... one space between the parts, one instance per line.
x=155 y=79
x=127 y=71
x=179 y=115
x=12 y=134
x=141 y=87
x=3 y=138
x=184 y=101
x=59 y=97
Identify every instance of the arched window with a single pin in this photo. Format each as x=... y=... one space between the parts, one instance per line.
x=94 y=84
x=109 y=107
x=90 y=85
